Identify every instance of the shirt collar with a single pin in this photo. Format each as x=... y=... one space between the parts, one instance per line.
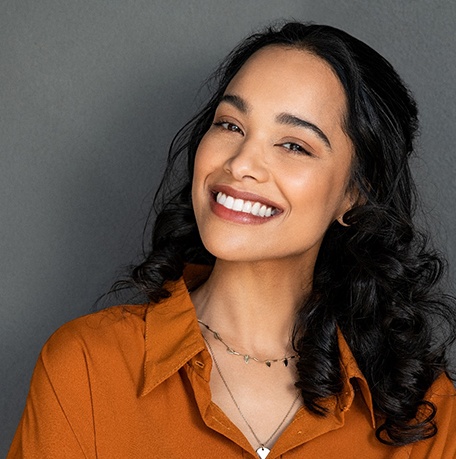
x=173 y=337
x=353 y=379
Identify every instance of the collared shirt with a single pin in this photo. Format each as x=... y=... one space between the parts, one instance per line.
x=133 y=382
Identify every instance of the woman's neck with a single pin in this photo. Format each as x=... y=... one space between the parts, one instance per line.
x=253 y=305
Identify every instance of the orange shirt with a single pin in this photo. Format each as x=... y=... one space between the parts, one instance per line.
x=133 y=382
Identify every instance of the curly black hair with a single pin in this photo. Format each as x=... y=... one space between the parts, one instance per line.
x=376 y=279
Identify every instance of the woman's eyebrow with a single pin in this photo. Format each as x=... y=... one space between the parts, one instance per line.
x=287 y=118
x=236 y=101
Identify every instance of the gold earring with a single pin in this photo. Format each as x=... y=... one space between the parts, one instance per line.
x=341 y=222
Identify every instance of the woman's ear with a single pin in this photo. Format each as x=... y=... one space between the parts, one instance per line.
x=354 y=199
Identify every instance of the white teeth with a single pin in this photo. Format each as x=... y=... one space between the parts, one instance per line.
x=247 y=207
x=229 y=202
x=256 y=208
x=221 y=198
x=239 y=205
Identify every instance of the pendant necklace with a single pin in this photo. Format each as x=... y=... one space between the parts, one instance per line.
x=262 y=450
x=247 y=358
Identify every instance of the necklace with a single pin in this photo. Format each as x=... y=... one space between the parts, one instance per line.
x=247 y=358
x=262 y=450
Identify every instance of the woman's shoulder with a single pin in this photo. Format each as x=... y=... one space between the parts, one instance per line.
x=442 y=394
x=102 y=324
x=97 y=334
x=443 y=391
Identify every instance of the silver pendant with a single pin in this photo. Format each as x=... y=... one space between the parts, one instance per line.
x=263 y=452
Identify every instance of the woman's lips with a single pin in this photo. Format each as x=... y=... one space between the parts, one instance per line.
x=242 y=207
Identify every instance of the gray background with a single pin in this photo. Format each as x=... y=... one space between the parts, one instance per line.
x=91 y=93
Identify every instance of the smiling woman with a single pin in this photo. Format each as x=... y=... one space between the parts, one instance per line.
x=292 y=305
x=283 y=143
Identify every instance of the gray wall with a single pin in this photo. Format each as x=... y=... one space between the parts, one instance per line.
x=91 y=93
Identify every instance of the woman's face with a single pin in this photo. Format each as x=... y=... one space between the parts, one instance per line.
x=272 y=172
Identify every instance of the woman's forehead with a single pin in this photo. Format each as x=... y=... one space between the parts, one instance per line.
x=278 y=79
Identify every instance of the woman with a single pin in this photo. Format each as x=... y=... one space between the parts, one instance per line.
x=306 y=323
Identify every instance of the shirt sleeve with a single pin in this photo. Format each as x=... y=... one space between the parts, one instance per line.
x=57 y=420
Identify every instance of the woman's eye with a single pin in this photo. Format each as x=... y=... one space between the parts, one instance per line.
x=295 y=147
x=228 y=126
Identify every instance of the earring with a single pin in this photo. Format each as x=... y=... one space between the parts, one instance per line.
x=341 y=222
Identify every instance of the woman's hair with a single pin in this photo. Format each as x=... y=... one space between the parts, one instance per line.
x=374 y=279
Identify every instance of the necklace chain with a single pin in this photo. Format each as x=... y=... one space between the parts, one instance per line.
x=247 y=358
x=262 y=444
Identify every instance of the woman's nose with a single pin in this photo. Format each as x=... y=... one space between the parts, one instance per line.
x=248 y=162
